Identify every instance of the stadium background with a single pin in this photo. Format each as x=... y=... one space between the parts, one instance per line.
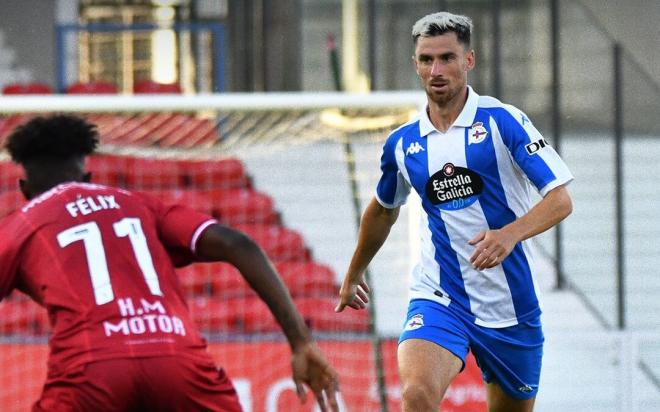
x=293 y=169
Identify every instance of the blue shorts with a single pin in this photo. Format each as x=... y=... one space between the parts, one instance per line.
x=511 y=356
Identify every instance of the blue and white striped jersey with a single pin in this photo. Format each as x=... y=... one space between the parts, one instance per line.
x=474 y=177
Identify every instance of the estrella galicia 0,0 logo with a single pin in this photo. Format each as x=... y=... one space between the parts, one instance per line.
x=454 y=187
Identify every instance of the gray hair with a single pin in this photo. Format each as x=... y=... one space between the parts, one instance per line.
x=440 y=23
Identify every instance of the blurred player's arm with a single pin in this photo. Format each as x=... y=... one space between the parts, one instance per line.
x=220 y=243
x=375 y=227
x=493 y=246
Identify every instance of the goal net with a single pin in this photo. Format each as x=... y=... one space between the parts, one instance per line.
x=293 y=171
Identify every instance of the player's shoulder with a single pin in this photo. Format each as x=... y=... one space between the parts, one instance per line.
x=411 y=126
x=501 y=112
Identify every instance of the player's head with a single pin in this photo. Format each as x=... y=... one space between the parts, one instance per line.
x=52 y=150
x=443 y=56
x=437 y=24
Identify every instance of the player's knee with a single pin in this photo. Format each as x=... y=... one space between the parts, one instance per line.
x=418 y=396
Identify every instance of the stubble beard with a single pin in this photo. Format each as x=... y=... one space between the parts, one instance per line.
x=442 y=99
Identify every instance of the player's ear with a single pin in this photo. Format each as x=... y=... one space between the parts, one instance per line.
x=470 y=60
x=414 y=60
x=24 y=186
x=87 y=177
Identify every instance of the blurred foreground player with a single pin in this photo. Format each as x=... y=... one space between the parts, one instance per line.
x=101 y=260
x=473 y=161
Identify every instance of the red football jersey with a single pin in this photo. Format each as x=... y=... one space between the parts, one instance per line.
x=101 y=260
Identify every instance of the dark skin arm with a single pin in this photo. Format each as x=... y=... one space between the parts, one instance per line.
x=223 y=244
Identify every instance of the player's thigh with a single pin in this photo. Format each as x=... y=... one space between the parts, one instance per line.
x=179 y=384
x=432 y=347
x=500 y=401
x=427 y=366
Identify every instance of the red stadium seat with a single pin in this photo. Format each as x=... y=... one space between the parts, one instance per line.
x=214 y=279
x=93 y=87
x=18 y=315
x=108 y=169
x=251 y=315
x=303 y=279
x=320 y=315
x=151 y=87
x=193 y=199
x=236 y=206
x=235 y=315
x=215 y=174
x=27 y=88
x=308 y=279
x=279 y=242
x=144 y=173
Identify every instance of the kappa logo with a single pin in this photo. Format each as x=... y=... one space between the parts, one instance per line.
x=414 y=148
x=477 y=133
x=416 y=322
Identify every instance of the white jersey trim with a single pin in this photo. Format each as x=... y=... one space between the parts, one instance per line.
x=198 y=233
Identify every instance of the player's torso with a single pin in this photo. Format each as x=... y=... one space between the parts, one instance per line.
x=467 y=183
x=95 y=261
x=465 y=176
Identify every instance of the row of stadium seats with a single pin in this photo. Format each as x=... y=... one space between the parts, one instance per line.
x=152 y=174
x=143 y=129
x=302 y=278
x=94 y=87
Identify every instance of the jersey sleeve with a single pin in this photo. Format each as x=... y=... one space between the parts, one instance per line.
x=179 y=228
x=531 y=152
x=392 y=189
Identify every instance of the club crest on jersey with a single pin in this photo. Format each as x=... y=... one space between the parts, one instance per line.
x=477 y=133
x=454 y=187
x=414 y=148
x=416 y=322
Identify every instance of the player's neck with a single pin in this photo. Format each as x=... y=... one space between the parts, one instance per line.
x=443 y=115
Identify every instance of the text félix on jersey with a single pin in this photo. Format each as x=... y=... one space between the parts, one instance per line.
x=90 y=204
x=143 y=317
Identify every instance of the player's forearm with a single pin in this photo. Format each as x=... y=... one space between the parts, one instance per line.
x=262 y=277
x=375 y=227
x=552 y=209
x=219 y=243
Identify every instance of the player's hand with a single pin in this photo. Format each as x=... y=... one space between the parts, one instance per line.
x=353 y=295
x=312 y=369
x=492 y=247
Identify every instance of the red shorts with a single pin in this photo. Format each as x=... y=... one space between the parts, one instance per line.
x=162 y=384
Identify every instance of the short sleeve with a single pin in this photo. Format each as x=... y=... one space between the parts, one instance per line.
x=179 y=227
x=392 y=189
x=531 y=152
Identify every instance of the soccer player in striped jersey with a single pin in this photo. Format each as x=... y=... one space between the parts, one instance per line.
x=101 y=261
x=473 y=161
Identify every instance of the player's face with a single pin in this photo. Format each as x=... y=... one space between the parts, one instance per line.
x=442 y=64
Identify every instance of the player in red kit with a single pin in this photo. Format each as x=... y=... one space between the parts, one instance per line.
x=101 y=260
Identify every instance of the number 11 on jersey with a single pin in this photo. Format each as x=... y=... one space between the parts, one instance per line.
x=97 y=263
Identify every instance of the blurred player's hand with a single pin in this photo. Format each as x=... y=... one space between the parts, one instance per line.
x=311 y=368
x=353 y=295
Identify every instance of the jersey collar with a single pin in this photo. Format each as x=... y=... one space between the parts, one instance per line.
x=464 y=119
